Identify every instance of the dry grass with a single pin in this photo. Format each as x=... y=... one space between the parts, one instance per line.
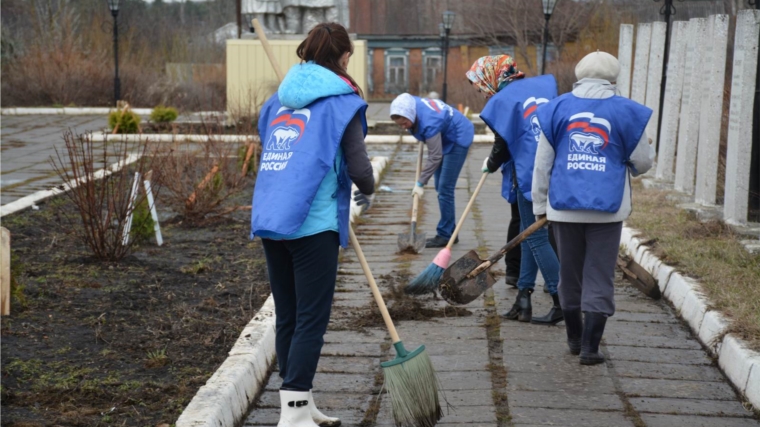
x=710 y=252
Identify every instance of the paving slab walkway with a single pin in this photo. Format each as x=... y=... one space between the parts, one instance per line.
x=497 y=372
x=28 y=142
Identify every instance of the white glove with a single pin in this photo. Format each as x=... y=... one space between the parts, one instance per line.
x=485 y=169
x=418 y=190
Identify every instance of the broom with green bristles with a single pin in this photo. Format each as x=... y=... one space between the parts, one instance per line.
x=428 y=280
x=410 y=379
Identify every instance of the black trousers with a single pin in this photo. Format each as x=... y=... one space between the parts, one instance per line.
x=302 y=274
x=512 y=258
x=587 y=273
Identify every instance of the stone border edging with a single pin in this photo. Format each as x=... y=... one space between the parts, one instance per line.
x=79 y=111
x=369 y=139
x=740 y=364
x=226 y=397
x=32 y=199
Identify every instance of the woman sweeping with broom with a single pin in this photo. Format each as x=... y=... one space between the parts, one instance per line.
x=511 y=114
x=591 y=140
x=312 y=132
x=448 y=135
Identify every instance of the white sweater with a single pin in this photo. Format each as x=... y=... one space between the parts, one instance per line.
x=641 y=161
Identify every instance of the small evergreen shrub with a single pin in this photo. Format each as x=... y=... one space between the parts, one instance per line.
x=142 y=223
x=128 y=121
x=163 y=114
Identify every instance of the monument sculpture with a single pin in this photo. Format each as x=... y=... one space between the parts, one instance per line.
x=295 y=16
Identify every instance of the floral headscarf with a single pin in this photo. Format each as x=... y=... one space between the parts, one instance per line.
x=492 y=73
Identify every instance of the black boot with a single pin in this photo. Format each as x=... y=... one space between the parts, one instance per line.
x=593 y=328
x=574 y=327
x=553 y=317
x=511 y=280
x=522 y=309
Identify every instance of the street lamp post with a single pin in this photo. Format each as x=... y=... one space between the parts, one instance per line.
x=114 y=6
x=667 y=10
x=548 y=9
x=441 y=34
x=448 y=22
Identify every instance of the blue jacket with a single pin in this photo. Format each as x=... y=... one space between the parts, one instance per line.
x=511 y=113
x=593 y=140
x=303 y=186
x=434 y=117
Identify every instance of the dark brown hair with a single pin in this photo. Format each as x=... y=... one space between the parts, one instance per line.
x=324 y=45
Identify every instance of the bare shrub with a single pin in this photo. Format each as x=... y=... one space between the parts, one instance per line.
x=99 y=182
x=198 y=177
x=60 y=52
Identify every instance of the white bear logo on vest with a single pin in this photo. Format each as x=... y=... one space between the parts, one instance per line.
x=587 y=142
x=529 y=112
x=291 y=126
x=288 y=129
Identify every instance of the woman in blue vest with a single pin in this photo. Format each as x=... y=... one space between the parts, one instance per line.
x=511 y=114
x=448 y=135
x=592 y=140
x=312 y=133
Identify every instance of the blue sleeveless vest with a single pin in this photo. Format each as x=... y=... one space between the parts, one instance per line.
x=508 y=189
x=511 y=113
x=593 y=140
x=299 y=148
x=434 y=117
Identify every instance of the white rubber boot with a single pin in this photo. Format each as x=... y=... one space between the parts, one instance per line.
x=320 y=418
x=295 y=409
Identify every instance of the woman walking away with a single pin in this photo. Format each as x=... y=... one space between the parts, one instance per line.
x=592 y=141
x=448 y=135
x=511 y=114
x=312 y=133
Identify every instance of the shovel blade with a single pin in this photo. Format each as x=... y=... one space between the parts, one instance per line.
x=411 y=242
x=639 y=277
x=456 y=288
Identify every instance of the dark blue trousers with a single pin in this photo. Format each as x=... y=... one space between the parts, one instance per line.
x=302 y=275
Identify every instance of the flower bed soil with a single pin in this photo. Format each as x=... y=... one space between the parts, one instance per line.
x=91 y=343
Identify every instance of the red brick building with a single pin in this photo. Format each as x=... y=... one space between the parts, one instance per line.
x=405 y=46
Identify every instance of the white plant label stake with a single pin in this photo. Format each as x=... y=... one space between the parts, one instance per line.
x=130 y=209
x=153 y=213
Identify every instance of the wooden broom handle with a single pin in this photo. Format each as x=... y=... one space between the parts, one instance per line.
x=416 y=198
x=373 y=286
x=493 y=259
x=268 y=49
x=466 y=211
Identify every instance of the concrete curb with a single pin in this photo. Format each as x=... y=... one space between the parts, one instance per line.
x=32 y=199
x=225 y=398
x=740 y=364
x=369 y=139
x=79 y=111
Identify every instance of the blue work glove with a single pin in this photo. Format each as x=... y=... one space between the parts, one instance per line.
x=362 y=200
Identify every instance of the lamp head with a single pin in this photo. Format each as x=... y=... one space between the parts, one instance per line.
x=113 y=5
x=448 y=19
x=549 y=6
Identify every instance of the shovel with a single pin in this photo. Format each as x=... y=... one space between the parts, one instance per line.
x=468 y=277
x=413 y=242
x=639 y=277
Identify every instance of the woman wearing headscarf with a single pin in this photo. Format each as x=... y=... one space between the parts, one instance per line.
x=511 y=114
x=448 y=135
x=592 y=141
x=312 y=133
